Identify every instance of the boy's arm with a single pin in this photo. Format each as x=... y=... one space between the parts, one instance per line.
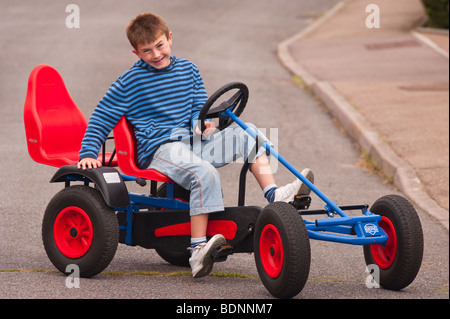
x=199 y=98
x=105 y=116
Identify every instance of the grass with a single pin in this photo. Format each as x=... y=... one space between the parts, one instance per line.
x=29 y=270
x=299 y=82
x=176 y=274
x=145 y=273
x=369 y=164
x=189 y=274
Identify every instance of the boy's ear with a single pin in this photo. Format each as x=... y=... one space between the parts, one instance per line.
x=135 y=52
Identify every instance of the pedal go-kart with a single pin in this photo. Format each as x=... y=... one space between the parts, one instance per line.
x=85 y=221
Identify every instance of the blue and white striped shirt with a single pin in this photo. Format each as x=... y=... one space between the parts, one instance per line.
x=156 y=102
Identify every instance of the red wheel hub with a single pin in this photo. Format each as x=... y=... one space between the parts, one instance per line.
x=384 y=256
x=73 y=232
x=271 y=251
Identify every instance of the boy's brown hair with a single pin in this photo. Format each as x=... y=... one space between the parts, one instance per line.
x=146 y=28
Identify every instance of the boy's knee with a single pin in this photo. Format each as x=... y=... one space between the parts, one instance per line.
x=210 y=174
x=207 y=175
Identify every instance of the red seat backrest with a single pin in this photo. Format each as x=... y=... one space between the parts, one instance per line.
x=54 y=125
x=125 y=141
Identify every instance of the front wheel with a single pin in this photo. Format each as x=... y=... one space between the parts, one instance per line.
x=399 y=260
x=80 y=228
x=282 y=250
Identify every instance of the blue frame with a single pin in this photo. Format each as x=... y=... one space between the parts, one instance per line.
x=140 y=201
x=355 y=230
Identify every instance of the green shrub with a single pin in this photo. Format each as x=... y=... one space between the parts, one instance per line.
x=437 y=11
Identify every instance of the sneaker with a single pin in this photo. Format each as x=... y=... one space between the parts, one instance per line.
x=201 y=261
x=288 y=192
x=304 y=190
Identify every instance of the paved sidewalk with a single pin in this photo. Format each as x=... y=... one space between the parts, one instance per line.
x=388 y=87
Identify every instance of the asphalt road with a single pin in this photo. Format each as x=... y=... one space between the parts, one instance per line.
x=231 y=40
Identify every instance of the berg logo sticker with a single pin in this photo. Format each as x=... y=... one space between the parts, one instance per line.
x=371 y=229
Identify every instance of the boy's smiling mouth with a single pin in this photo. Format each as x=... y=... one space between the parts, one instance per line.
x=158 y=63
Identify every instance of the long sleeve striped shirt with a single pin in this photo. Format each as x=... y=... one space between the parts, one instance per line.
x=158 y=103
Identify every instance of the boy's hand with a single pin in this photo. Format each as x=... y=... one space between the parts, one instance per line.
x=89 y=163
x=210 y=129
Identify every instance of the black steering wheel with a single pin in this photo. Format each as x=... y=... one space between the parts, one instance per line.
x=236 y=103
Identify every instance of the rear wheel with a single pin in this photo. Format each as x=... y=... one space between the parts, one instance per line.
x=282 y=250
x=80 y=228
x=400 y=258
x=177 y=256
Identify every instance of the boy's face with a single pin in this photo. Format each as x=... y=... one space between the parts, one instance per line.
x=156 y=54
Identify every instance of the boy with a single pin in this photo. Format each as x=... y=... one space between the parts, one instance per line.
x=162 y=96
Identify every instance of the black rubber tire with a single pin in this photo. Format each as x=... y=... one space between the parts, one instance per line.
x=409 y=248
x=291 y=274
x=179 y=256
x=104 y=231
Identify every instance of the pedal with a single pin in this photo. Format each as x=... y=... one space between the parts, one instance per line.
x=221 y=252
x=301 y=201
